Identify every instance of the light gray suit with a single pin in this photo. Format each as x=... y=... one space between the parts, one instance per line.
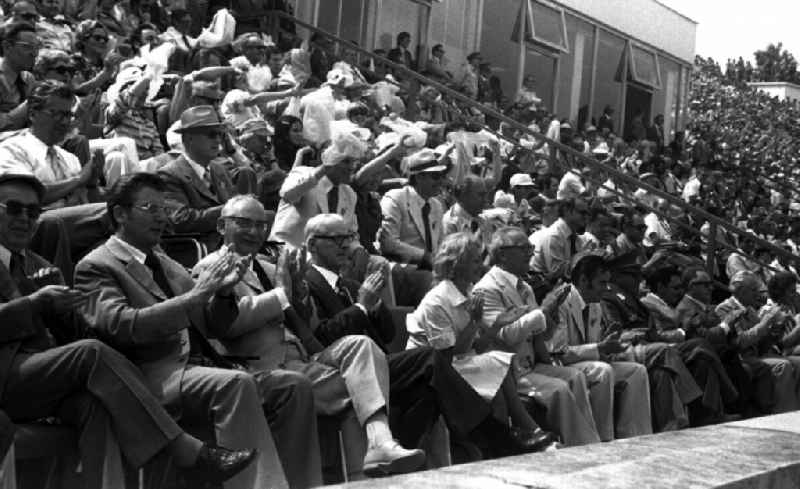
x=134 y=314
x=402 y=233
x=562 y=390
x=352 y=372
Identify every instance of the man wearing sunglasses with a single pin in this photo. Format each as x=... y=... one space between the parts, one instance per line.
x=20 y=46
x=85 y=383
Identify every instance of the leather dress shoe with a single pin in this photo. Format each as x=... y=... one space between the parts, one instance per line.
x=217 y=464
x=536 y=440
x=391 y=458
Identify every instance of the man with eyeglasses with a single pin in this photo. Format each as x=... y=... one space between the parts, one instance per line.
x=86 y=384
x=20 y=46
x=282 y=345
x=148 y=306
x=423 y=383
x=562 y=390
x=197 y=186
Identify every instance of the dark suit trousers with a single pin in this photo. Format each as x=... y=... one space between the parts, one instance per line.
x=423 y=386
x=709 y=373
x=93 y=387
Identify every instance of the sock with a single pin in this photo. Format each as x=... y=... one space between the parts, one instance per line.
x=185 y=449
x=378 y=431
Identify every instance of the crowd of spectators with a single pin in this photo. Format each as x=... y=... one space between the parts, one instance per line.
x=278 y=263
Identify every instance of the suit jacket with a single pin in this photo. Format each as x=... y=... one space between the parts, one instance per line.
x=303 y=196
x=749 y=333
x=134 y=315
x=519 y=336
x=258 y=330
x=576 y=338
x=402 y=234
x=553 y=252
x=335 y=319
x=20 y=321
x=693 y=317
x=404 y=55
x=195 y=208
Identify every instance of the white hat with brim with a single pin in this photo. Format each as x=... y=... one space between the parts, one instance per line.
x=521 y=180
x=424 y=161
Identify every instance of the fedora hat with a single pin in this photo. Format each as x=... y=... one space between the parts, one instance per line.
x=199 y=119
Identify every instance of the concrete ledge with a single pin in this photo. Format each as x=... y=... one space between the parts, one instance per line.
x=760 y=453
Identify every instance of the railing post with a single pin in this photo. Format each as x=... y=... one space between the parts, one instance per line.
x=711 y=257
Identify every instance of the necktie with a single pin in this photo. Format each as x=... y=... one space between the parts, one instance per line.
x=16 y=267
x=159 y=277
x=474 y=226
x=585 y=314
x=426 y=222
x=573 y=244
x=262 y=276
x=56 y=163
x=209 y=182
x=522 y=290
x=344 y=294
x=333 y=200
x=19 y=83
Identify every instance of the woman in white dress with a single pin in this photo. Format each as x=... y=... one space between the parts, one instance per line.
x=450 y=317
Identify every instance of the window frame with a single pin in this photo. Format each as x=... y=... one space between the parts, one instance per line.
x=540 y=40
x=633 y=74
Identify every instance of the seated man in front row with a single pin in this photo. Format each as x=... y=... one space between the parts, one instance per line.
x=84 y=383
x=619 y=391
x=146 y=305
x=351 y=369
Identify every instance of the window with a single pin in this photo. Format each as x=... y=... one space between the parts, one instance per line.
x=545 y=25
x=643 y=67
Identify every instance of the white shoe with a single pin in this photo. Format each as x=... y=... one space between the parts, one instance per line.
x=391 y=458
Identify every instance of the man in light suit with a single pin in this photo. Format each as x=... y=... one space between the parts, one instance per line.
x=308 y=191
x=351 y=370
x=774 y=377
x=561 y=241
x=580 y=341
x=148 y=307
x=197 y=187
x=84 y=383
x=412 y=215
x=562 y=390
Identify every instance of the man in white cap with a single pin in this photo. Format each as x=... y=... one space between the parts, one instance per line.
x=412 y=215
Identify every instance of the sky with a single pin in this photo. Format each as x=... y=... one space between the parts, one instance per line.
x=733 y=28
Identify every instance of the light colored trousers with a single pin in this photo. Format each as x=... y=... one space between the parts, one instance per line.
x=631 y=404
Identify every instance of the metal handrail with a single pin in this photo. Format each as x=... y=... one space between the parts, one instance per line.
x=591 y=162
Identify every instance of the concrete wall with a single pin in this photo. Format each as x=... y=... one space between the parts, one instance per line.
x=646 y=20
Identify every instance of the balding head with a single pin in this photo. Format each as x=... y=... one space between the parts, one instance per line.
x=328 y=238
x=244 y=224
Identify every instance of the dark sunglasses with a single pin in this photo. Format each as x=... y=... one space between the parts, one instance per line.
x=100 y=38
x=63 y=70
x=29 y=16
x=15 y=208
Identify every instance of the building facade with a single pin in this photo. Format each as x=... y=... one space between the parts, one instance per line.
x=634 y=56
x=782 y=90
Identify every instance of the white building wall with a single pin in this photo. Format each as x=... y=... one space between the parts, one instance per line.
x=646 y=20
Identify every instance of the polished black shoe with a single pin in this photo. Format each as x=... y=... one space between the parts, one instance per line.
x=534 y=441
x=217 y=464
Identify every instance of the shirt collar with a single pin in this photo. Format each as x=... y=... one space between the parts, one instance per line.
x=562 y=227
x=412 y=192
x=509 y=278
x=452 y=294
x=135 y=252
x=697 y=302
x=331 y=277
x=325 y=184
x=197 y=167
x=5 y=256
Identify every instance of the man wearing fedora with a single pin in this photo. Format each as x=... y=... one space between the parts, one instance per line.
x=198 y=187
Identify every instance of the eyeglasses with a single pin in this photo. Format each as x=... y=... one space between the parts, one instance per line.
x=28 y=46
x=28 y=16
x=99 y=38
x=246 y=223
x=338 y=239
x=153 y=209
x=63 y=70
x=60 y=115
x=525 y=248
x=15 y=208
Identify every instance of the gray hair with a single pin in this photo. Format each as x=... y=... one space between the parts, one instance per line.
x=239 y=199
x=452 y=250
x=502 y=238
x=321 y=221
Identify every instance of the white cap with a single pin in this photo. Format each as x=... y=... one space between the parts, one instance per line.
x=520 y=180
